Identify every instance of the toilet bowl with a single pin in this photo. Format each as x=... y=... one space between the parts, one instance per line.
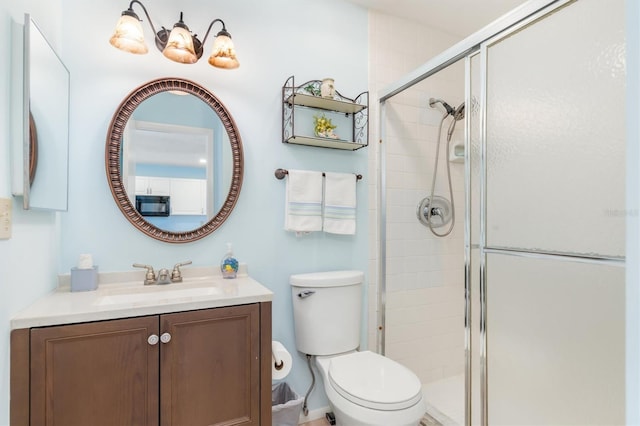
x=363 y=388
x=367 y=389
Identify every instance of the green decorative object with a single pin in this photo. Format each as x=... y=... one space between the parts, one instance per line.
x=312 y=89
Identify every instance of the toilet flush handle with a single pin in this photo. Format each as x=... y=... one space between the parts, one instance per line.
x=306 y=293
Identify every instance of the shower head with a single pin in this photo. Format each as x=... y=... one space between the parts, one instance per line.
x=433 y=102
x=458 y=114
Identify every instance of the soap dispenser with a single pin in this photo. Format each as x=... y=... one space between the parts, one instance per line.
x=229 y=264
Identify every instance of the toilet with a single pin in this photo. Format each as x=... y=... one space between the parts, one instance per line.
x=363 y=388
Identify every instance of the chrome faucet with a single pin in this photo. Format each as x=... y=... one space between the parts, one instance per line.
x=176 y=274
x=150 y=276
x=163 y=274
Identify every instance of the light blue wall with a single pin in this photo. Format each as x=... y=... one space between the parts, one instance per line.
x=183 y=110
x=274 y=39
x=29 y=261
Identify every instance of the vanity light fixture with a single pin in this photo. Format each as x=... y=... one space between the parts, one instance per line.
x=179 y=44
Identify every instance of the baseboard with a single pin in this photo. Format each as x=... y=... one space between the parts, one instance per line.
x=314 y=415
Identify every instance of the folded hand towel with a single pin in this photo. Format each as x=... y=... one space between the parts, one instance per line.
x=303 y=204
x=340 y=203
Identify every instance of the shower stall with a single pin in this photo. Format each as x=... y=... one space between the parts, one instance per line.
x=502 y=237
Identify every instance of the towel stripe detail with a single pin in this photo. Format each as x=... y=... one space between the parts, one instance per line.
x=305 y=209
x=339 y=212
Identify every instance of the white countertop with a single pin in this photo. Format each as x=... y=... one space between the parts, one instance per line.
x=123 y=295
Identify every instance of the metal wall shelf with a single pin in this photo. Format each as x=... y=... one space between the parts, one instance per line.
x=324 y=103
x=325 y=142
x=303 y=96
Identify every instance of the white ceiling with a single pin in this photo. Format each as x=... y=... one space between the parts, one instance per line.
x=457 y=17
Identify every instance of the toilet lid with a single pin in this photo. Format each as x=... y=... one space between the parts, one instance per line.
x=373 y=381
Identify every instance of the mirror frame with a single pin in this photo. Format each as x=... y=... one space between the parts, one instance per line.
x=114 y=145
x=33 y=149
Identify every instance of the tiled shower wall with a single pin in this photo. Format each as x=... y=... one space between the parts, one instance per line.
x=424 y=281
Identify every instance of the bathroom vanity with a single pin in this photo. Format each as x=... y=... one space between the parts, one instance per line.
x=191 y=353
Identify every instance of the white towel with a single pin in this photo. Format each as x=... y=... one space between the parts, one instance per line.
x=303 y=203
x=340 y=203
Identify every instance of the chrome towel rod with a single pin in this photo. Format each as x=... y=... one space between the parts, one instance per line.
x=281 y=173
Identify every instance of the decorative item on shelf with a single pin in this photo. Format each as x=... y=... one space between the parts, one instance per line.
x=351 y=115
x=312 y=89
x=327 y=89
x=323 y=127
x=179 y=44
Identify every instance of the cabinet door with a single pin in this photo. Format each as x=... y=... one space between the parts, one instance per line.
x=188 y=196
x=159 y=186
x=102 y=373
x=210 y=369
x=142 y=185
x=146 y=185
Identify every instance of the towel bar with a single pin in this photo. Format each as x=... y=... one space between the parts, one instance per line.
x=281 y=173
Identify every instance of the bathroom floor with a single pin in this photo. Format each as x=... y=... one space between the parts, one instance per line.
x=445 y=400
x=319 y=422
x=427 y=421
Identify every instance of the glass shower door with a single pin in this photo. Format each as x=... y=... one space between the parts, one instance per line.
x=551 y=220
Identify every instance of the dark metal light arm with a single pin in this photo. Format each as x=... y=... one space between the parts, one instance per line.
x=161 y=36
x=224 y=29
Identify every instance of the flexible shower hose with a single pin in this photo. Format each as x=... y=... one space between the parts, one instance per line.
x=435 y=172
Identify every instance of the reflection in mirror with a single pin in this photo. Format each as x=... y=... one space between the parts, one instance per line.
x=174 y=141
x=174 y=160
x=45 y=108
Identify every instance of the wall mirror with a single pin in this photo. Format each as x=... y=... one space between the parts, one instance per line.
x=174 y=160
x=40 y=131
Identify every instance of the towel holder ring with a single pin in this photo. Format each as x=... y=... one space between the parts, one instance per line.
x=281 y=173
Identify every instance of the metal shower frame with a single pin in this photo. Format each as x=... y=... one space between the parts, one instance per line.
x=476 y=44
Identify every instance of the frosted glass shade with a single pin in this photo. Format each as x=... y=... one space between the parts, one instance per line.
x=179 y=47
x=223 y=54
x=128 y=35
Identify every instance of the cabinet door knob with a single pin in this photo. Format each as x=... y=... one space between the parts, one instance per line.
x=165 y=337
x=153 y=339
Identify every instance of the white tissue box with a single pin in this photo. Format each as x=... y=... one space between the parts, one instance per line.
x=84 y=279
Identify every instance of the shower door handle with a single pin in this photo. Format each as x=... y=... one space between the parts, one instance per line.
x=306 y=293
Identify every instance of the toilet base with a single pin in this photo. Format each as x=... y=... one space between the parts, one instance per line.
x=348 y=413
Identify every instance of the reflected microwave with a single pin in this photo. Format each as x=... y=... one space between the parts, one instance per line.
x=153 y=205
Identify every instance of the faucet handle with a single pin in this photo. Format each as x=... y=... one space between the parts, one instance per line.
x=176 y=275
x=150 y=277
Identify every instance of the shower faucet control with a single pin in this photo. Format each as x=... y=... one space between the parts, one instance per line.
x=437 y=211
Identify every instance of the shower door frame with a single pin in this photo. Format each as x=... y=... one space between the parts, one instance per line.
x=475 y=44
x=484 y=247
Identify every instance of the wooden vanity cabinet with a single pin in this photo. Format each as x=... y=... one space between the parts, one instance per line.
x=208 y=367
x=101 y=373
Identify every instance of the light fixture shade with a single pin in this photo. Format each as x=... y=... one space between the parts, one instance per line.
x=128 y=35
x=223 y=54
x=180 y=46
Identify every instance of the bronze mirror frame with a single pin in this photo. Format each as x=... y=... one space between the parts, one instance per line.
x=33 y=149
x=113 y=160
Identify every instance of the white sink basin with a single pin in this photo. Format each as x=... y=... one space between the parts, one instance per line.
x=156 y=294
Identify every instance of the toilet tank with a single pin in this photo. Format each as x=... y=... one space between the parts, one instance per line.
x=327 y=311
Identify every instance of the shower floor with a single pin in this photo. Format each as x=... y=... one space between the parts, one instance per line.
x=445 y=400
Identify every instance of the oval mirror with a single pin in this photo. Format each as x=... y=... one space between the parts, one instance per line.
x=174 y=160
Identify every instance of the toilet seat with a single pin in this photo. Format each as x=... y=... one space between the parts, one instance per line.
x=373 y=381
